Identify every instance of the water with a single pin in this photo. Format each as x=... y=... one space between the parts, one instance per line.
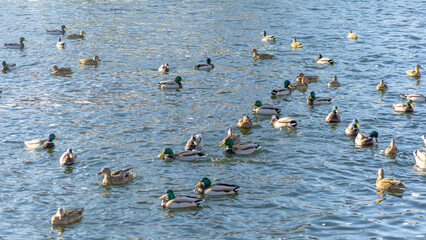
x=311 y=182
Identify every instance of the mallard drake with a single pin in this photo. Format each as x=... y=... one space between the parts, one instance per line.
x=420 y=158
x=352 y=35
x=182 y=156
x=334 y=82
x=334 y=116
x=7 y=66
x=392 y=148
x=352 y=129
x=301 y=85
x=41 y=143
x=309 y=78
x=415 y=72
x=400 y=107
x=266 y=109
x=16 y=45
x=323 y=61
x=241 y=148
x=170 y=84
x=117 y=177
x=296 y=44
x=414 y=97
x=67 y=216
x=282 y=91
x=363 y=140
x=56 y=31
x=164 y=68
x=61 y=70
x=179 y=201
x=257 y=55
x=205 y=66
x=75 y=35
x=277 y=122
x=207 y=188
x=89 y=61
x=313 y=100
x=382 y=86
x=67 y=158
x=234 y=137
x=245 y=122
x=60 y=43
x=267 y=39
x=387 y=183
x=195 y=142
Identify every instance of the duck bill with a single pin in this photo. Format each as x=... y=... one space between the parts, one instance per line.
x=56 y=138
x=195 y=142
x=358 y=125
x=253 y=105
x=71 y=155
x=99 y=173
x=271 y=122
x=337 y=111
x=315 y=57
x=221 y=145
x=161 y=197
x=161 y=154
x=377 y=139
x=199 y=184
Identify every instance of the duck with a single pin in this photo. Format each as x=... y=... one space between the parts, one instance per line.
x=352 y=35
x=41 y=143
x=267 y=39
x=333 y=116
x=205 y=66
x=117 y=177
x=400 y=107
x=363 y=140
x=382 y=86
x=323 y=61
x=257 y=55
x=182 y=156
x=61 y=70
x=234 y=137
x=352 y=129
x=7 y=66
x=19 y=45
x=301 y=85
x=245 y=122
x=282 y=91
x=414 y=97
x=334 y=82
x=392 y=149
x=420 y=158
x=424 y=138
x=266 y=109
x=56 y=31
x=415 y=72
x=296 y=44
x=67 y=216
x=67 y=158
x=241 y=148
x=60 y=43
x=170 y=84
x=277 y=122
x=164 y=68
x=75 y=35
x=313 y=100
x=170 y=200
x=89 y=61
x=206 y=187
x=387 y=183
x=309 y=78
x=195 y=142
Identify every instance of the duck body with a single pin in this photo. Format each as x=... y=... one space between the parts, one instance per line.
x=282 y=91
x=170 y=200
x=265 y=109
x=277 y=122
x=387 y=183
x=164 y=68
x=257 y=55
x=296 y=44
x=241 y=148
x=401 y=107
x=334 y=82
x=61 y=70
x=89 y=61
x=382 y=86
x=414 y=97
x=41 y=143
x=67 y=158
x=420 y=158
x=308 y=78
x=205 y=66
x=234 y=137
x=392 y=149
x=56 y=31
x=334 y=116
x=19 y=45
x=245 y=122
x=195 y=142
x=67 y=216
x=313 y=100
x=76 y=36
x=215 y=189
x=324 y=61
x=364 y=140
x=352 y=129
x=267 y=38
x=300 y=85
x=415 y=72
x=352 y=35
x=182 y=156
x=60 y=43
x=171 y=84
x=117 y=177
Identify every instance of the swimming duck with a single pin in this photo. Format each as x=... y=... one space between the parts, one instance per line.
x=362 y=139
x=234 y=137
x=60 y=43
x=382 y=86
x=277 y=122
x=352 y=129
x=7 y=66
x=241 y=148
x=67 y=158
x=67 y=216
x=420 y=158
x=309 y=78
x=323 y=61
x=296 y=44
x=267 y=39
x=333 y=117
x=61 y=70
x=313 y=100
x=57 y=31
x=207 y=188
x=352 y=35
x=164 y=68
x=117 y=177
x=266 y=109
x=282 y=91
x=195 y=142
x=392 y=148
x=205 y=66
x=415 y=72
x=16 y=45
x=400 y=107
x=387 y=183
x=179 y=201
x=334 y=82
x=301 y=86
x=170 y=84
x=41 y=143
x=75 y=35
x=257 y=55
x=414 y=97
x=182 y=156
x=245 y=122
x=89 y=61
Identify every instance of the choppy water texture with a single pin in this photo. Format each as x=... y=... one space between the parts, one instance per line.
x=308 y=183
